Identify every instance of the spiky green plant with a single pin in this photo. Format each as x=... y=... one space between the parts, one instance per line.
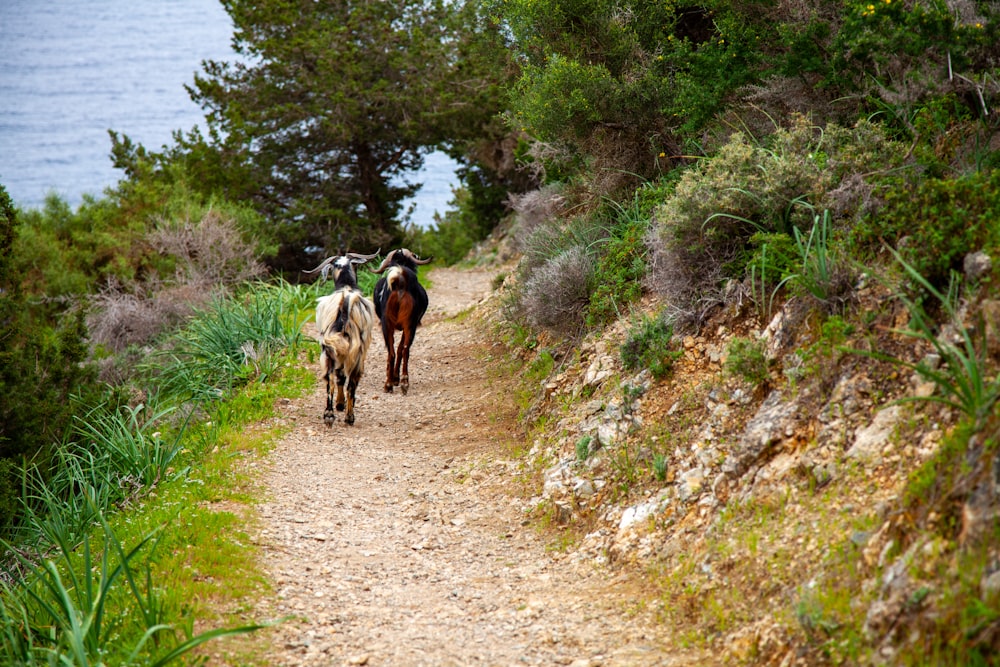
x=962 y=377
x=69 y=609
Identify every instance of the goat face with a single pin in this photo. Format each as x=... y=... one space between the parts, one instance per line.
x=342 y=267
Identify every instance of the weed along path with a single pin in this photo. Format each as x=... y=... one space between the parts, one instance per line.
x=394 y=542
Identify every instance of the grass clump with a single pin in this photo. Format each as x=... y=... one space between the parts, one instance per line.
x=746 y=359
x=649 y=345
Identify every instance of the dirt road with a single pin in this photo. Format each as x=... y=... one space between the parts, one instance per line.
x=390 y=542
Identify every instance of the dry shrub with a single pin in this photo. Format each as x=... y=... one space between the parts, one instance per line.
x=555 y=294
x=123 y=316
x=210 y=252
x=210 y=256
x=534 y=209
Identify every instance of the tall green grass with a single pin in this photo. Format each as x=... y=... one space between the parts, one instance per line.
x=67 y=609
x=233 y=342
x=71 y=591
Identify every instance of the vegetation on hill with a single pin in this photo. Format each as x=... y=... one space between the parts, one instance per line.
x=670 y=168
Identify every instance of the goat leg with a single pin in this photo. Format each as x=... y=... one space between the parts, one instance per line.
x=397 y=363
x=390 y=362
x=403 y=363
x=352 y=390
x=388 y=371
x=341 y=379
x=329 y=416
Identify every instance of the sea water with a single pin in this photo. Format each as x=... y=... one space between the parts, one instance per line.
x=70 y=70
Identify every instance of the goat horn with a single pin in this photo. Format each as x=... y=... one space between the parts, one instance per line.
x=417 y=260
x=357 y=258
x=385 y=263
x=326 y=263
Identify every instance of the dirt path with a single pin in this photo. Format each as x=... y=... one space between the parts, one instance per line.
x=390 y=545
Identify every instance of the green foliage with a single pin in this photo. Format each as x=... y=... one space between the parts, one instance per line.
x=231 y=343
x=746 y=359
x=65 y=610
x=648 y=344
x=942 y=220
x=811 y=267
x=645 y=67
x=10 y=485
x=704 y=233
x=338 y=104
x=880 y=36
x=42 y=363
x=583 y=447
x=963 y=377
x=621 y=266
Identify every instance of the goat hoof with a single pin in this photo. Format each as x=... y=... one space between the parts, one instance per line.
x=388 y=388
x=341 y=406
x=329 y=417
x=349 y=419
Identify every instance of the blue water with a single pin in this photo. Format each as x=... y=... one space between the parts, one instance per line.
x=70 y=70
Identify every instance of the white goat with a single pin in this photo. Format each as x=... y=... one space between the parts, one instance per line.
x=344 y=320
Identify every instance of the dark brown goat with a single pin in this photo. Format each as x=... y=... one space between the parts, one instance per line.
x=400 y=303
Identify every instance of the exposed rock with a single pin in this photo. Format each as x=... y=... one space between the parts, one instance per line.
x=869 y=441
x=690 y=484
x=768 y=427
x=976 y=265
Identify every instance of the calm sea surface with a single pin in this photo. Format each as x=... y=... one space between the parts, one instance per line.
x=70 y=70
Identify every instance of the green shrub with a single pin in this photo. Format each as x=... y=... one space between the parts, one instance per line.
x=745 y=359
x=905 y=51
x=621 y=266
x=703 y=234
x=649 y=345
x=941 y=221
x=645 y=69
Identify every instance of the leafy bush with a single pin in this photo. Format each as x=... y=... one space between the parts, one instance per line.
x=745 y=359
x=649 y=345
x=615 y=80
x=904 y=52
x=938 y=222
x=702 y=234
